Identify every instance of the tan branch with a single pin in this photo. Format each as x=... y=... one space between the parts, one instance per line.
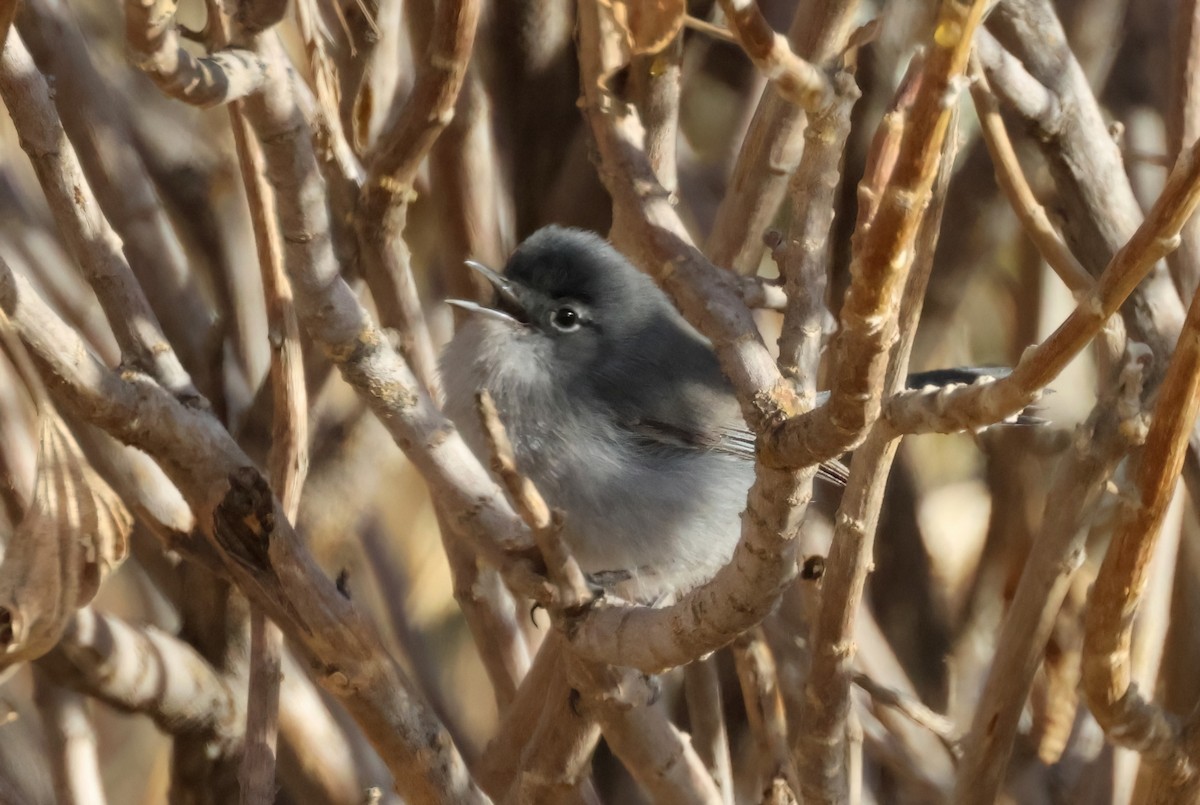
x=882 y=257
x=95 y=245
x=287 y=461
x=804 y=259
x=800 y=82
x=912 y=709
x=71 y=742
x=772 y=146
x=826 y=709
x=970 y=407
x=262 y=552
x=755 y=666
x=1020 y=195
x=383 y=208
x=208 y=81
x=545 y=524
x=1183 y=128
x=1127 y=717
x=100 y=124
x=706 y=717
x=1045 y=580
x=144 y=670
x=636 y=727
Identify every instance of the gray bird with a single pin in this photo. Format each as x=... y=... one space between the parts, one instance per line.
x=616 y=409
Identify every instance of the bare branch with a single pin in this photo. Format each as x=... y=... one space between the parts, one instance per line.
x=827 y=704
x=71 y=741
x=262 y=551
x=1183 y=128
x=772 y=147
x=96 y=246
x=545 y=524
x=971 y=407
x=1128 y=719
x=1012 y=181
x=764 y=707
x=99 y=124
x=883 y=255
x=913 y=710
x=800 y=82
x=658 y=755
x=706 y=717
x=1056 y=555
x=383 y=208
x=209 y=81
x=144 y=670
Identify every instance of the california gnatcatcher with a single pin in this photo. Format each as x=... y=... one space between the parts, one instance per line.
x=616 y=408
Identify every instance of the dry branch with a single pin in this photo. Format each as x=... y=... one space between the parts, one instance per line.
x=209 y=81
x=238 y=513
x=1056 y=554
x=96 y=247
x=826 y=711
x=546 y=524
x=71 y=742
x=706 y=720
x=144 y=670
x=971 y=407
x=1128 y=719
x=772 y=146
x=798 y=81
x=1020 y=195
x=98 y=122
x=881 y=259
x=383 y=208
x=635 y=725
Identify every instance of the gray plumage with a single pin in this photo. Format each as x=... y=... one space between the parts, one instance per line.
x=616 y=408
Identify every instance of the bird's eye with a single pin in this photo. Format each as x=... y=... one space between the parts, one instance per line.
x=565 y=319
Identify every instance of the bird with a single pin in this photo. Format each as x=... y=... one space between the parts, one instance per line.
x=616 y=408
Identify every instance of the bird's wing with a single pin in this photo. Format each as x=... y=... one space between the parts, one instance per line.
x=731 y=440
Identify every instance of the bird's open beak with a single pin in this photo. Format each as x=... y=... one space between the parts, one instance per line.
x=509 y=306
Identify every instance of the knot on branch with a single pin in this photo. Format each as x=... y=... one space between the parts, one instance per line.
x=244 y=520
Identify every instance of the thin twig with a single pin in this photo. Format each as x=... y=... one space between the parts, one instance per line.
x=1045 y=580
x=546 y=525
x=96 y=247
x=772 y=146
x=804 y=260
x=912 y=709
x=200 y=81
x=1127 y=717
x=70 y=741
x=800 y=82
x=1183 y=128
x=706 y=717
x=383 y=208
x=971 y=407
x=1020 y=195
x=764 y=706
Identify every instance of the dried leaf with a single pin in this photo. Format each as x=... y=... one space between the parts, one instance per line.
x=648 y=26
x=75 y=533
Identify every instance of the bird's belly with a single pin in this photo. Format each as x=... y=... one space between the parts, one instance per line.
x=665 y=521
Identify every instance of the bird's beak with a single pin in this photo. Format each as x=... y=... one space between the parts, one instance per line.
x=509 y=305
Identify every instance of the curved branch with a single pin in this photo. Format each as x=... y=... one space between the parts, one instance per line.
x=208 y=81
